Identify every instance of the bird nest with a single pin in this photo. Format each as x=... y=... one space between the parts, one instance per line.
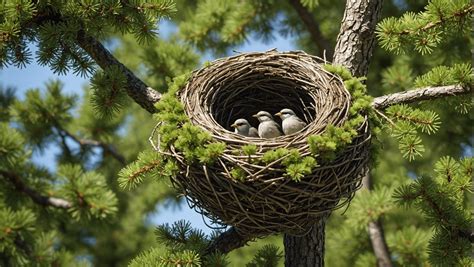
x=267 y=200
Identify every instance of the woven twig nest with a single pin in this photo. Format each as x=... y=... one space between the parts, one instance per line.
x=267 y=201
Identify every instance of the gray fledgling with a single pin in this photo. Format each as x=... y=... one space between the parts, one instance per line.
x=290 y=122
x=243 y=127
x=267 y=128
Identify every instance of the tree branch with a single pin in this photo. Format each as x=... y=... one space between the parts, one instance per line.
x=227 y=241
x=89 y=142
x=376 y=232
x=144 y=95
x=313 y=28
x=379 y=245
x=34 y=195
x=416 y=95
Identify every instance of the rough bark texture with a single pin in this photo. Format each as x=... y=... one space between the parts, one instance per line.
x=313 y=28
x=227 y=241
x=354 y=50
x=417 y=95
x=356 y=38
x=308 y=250
x=142 y=94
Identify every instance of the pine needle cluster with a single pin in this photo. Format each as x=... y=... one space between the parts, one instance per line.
x=443 y=200
x=425 y=30
x=29 y=191
x=57 y=27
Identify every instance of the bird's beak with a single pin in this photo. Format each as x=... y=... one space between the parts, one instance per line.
x=255 y=115
x=233 y=125
x=278 y=114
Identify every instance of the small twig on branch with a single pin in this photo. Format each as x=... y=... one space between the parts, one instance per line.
x=417 y=95
x=88 y=142
x=313 y=28
x=227 y=241
x=34 y=195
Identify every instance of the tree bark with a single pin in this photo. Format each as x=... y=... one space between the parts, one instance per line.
x=308 y=250
x=353 y=50
x=227 y=241
x=356 y=37
x=420 y=94
x=141 y=93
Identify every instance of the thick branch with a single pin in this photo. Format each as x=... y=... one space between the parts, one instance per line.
x=417 y=95
x=142 y=94
x=88 y=142
x=356 y=37
x=34 y=195
x=227 y=241
x=313 y=28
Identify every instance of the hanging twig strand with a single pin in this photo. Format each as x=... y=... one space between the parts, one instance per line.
x=268 y=201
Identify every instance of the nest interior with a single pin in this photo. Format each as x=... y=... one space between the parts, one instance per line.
x=268 y=201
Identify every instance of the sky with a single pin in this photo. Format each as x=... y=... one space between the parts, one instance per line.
x=35 y=76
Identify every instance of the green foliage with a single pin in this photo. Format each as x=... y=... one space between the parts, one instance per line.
x=11 y=147
x=88 y=193
x=39 y=114
x=296 y=166
x=397 y=78
x=274 y=155
x=369 y=206
x=409 y=245
x=267 y=256
x=7 y=98
x=442 y=201
x=442 y=75
x=238 y=173
x=149 y=165
x=228 y=23
x=249 y=149
x=425 y=31
x=108 y=91
x=183 y=247
x=407 y=121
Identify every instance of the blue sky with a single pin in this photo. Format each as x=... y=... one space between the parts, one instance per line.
x=35 y=76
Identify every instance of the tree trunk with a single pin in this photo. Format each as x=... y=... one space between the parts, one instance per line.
x=308 y=250
x=354 y=50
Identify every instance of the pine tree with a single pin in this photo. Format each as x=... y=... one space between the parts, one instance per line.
x=414 y=208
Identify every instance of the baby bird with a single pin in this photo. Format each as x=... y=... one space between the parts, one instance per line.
x=243 y=127
x=267 y=128
x=290 y=122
